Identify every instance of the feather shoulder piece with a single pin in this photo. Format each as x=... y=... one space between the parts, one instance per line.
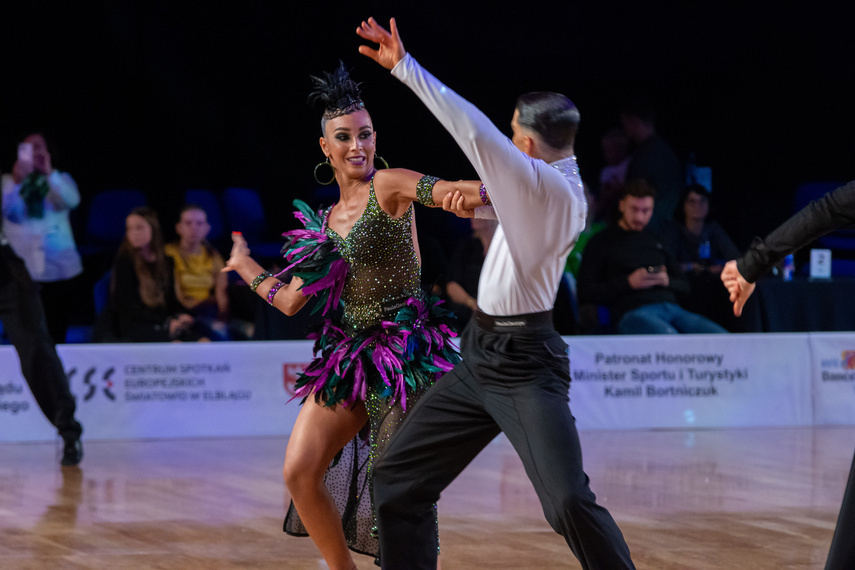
x=313 y=256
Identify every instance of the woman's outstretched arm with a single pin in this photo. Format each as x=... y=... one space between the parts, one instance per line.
x=288 y=298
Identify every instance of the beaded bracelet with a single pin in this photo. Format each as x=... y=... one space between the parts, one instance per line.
x=272 y=293
x=259 y=280
x=483 y=192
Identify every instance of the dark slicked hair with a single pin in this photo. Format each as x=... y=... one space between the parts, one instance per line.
x=551 y=115
x=638 y=188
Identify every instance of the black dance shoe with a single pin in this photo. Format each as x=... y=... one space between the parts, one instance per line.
x=72 y=453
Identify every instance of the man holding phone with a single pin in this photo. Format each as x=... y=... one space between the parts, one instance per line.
x=627 y=269
x=23 y=320
x=37 y=203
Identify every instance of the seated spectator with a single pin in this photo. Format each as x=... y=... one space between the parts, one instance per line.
x=701 y=247
x=201 y=285
x=464 y=269
x=37 y=200
x=627 y=269
x=142 y=291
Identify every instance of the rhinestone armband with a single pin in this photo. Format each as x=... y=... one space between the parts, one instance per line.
x=272 y=293
x=259 y=280
x=424 y=190
x=483 y=192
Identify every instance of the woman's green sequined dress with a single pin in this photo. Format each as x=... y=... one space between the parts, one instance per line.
x=385 y=347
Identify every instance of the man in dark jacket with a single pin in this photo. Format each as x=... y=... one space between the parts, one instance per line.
x=833 y=211
x=627 y=269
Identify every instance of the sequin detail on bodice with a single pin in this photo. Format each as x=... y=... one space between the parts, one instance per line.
x=384 y=266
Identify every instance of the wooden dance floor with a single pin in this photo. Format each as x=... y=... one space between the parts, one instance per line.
x=726 y=498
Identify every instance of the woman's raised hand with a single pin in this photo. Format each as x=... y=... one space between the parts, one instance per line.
x=391 y=48
x=240 y=251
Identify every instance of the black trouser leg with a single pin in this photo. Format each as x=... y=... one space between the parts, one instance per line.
x=516 y=382
x=24 y=323
x=441 y=435
x=536 y=418
x=526 y=378
x=841 y=555
x=55 y=296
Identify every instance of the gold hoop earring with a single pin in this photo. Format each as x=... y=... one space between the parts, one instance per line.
x=381 y=159
x=315 y=173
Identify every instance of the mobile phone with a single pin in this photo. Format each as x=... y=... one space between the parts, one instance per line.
x=25 y=152
x=652 y=269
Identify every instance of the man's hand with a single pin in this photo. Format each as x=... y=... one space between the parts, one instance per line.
x=453 y=202
x=391 y=48
x=43 y=164
x=737 y=286
x=643 y=278
x=21 y=170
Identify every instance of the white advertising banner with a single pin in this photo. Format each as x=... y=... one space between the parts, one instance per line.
x=833 y=373
x=127 y=391
x=679 y=381
x=164 y=390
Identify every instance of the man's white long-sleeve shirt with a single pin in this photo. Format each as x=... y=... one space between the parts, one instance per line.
x=541 y=208
x=45 y=244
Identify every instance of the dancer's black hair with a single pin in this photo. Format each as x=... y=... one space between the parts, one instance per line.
x=551 y=115
x=337 y=92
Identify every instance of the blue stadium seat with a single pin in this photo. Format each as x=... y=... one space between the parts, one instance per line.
x=105 y=220
x=245 y=214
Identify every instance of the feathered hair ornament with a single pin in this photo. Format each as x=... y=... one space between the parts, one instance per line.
x=336 y=92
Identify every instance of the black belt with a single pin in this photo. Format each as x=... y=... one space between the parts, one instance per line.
x=514 y=323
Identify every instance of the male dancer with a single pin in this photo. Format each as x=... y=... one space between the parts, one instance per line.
x=833 y=211
x=515 y=373
x=23 y=320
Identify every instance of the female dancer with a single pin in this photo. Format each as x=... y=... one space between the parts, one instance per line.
x=388 y=345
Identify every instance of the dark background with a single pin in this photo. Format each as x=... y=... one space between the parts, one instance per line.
x=164 y=96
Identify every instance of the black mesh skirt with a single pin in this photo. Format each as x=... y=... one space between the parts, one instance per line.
x=348 y=476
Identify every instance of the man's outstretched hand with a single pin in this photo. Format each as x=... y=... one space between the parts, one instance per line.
x=390 y=48
x=737 y=286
